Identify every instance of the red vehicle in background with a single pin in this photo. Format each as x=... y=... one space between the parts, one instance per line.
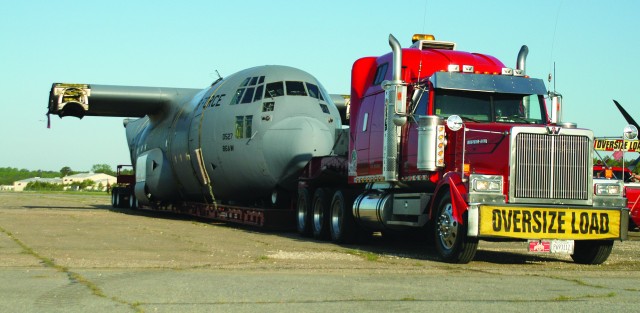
x=632 y=191
x=631 y=186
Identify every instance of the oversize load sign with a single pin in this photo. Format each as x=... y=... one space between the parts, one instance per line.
x=549 y=223
x=616 y=145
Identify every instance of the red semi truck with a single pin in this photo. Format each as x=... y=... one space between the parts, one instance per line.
x=462 y=146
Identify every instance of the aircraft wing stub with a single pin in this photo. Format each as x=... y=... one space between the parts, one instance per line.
x=81 y=100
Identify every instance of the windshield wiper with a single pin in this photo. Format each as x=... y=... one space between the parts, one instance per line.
x=469 y=119
x=513 y=118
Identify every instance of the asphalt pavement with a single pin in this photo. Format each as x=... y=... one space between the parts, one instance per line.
x=73 y=253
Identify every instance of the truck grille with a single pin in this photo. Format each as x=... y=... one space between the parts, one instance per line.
x=552 y=167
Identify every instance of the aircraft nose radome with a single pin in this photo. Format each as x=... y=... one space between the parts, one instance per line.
x=290 y=144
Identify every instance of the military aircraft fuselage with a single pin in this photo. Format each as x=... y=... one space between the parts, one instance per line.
x=238 y=140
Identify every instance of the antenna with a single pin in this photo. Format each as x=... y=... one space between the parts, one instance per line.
x=424 y=17
x=554 y=76
x=217 y=80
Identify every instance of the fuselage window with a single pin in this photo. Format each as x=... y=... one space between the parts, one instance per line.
x=239 y=126
x=248 y=95
x=258 y=95
x=295 y=89
x=244 y=126
x=275 y=89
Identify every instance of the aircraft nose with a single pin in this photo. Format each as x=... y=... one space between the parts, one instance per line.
x=292 y=142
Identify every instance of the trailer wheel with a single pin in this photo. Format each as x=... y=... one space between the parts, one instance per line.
x=591 y=251
x=133 y=202
x=321 y=213
x=451 y=240
x=114 y=198
x=305 y=216
x=343 y=225
x=118 y=198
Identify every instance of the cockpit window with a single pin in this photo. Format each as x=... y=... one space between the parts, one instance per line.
x=258 y=93
x=237 y=96
x=275 y=89
x=314 y=91
x=295 y=89
x=248 y=95
x=245 y=92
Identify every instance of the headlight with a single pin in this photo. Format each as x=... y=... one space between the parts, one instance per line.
x=487 y=184
x=608 y=189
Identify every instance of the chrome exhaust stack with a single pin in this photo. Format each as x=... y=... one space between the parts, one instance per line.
x=395 y=113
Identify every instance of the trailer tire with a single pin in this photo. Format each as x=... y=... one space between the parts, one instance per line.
x=451 y=240
x=133 y=202
x=591 y=252
x=118 y=198
x=321 y=214
x=342 y=225
x=305 y=215
x=114 y=198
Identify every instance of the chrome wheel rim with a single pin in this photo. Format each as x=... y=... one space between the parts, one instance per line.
x=447 y=227
x=302 y=215
x=336 y=218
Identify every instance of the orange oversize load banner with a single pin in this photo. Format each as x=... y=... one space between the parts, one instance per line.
x=549 y=223
x=616 y=145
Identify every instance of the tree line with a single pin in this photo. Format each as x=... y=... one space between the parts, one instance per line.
x=8 y=175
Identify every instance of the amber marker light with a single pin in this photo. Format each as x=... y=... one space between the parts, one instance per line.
x=417 y=37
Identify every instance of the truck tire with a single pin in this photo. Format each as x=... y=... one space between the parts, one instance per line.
x=591 y=251
x=451 y=240
x=305 y=216
x=321 y=214
x=342 y=225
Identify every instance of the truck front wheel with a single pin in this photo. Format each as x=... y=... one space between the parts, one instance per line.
x=592 y=251
x=451 y=240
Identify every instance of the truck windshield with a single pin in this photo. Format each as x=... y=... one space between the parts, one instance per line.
x=489 y=107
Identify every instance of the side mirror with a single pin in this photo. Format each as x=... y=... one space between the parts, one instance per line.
x=556 y=108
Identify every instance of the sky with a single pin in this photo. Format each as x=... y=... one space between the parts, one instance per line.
x=593 y=44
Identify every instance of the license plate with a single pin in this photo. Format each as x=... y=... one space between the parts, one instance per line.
x=551 y=246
